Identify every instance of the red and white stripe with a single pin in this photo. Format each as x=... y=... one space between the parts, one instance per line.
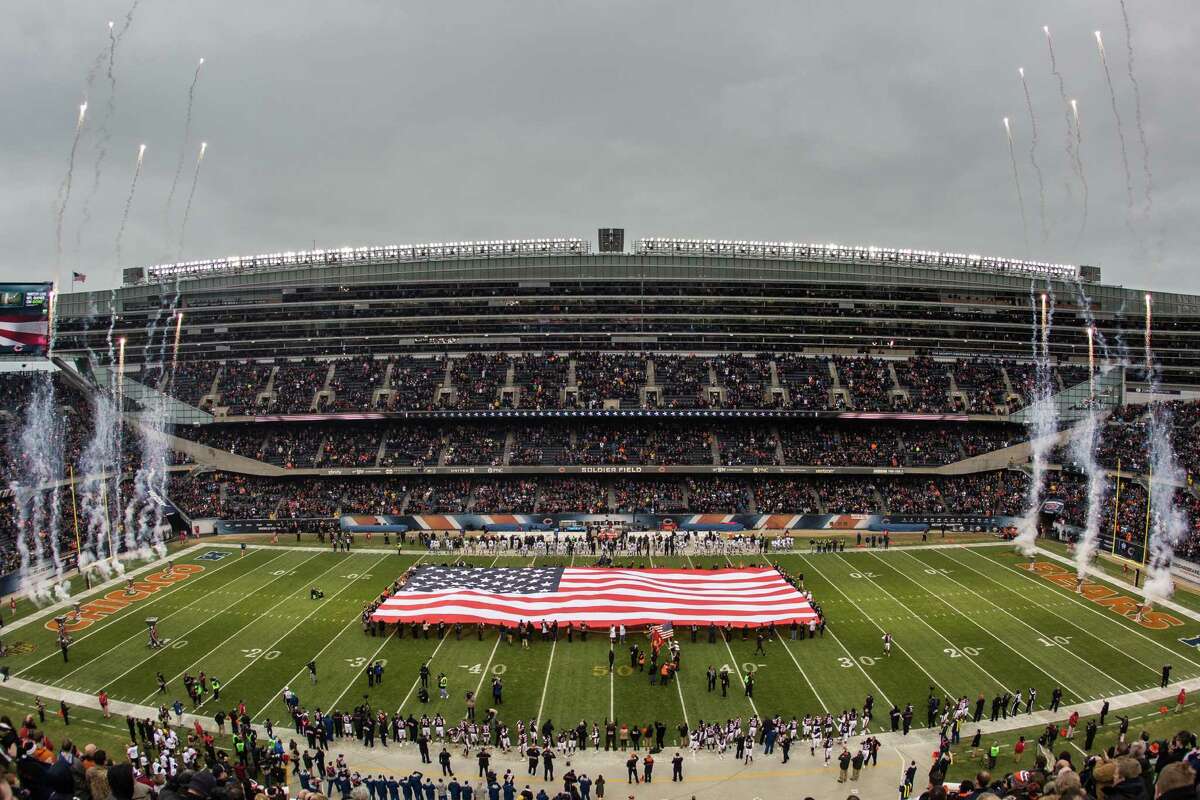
x=601 y=597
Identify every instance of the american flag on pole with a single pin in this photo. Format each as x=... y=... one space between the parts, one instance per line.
x=596 y=595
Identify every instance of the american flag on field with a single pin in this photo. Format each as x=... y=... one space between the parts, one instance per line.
x=660 y=633
x=596 y=595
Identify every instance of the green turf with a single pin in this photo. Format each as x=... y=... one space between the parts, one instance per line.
x=964 y=620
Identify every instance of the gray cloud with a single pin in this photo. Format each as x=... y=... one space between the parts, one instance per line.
x=367 y=122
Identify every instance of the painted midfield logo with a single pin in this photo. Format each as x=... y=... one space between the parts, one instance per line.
x=212 y=555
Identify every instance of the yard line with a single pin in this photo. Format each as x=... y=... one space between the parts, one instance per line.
x=939 y=634
x=868 y=618
x=206 y=619
x=546 y=683
x=140 y=634
x=254 y=618
x=305 y=618
x=336 y=636
x=1070 y=622
x=732 y=659
x=370 y=661
x=679 y=689
x=804 y=675
x=417 y=682
x=737 y=669
x=491 y=655
x=612 y=691
x=162 y=594
x=1005 y=611
x=1086 y=604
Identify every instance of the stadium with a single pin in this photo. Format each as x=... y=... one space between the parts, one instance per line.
x=642 y=497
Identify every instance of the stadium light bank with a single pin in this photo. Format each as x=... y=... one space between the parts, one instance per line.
x=387 y=254
x=882 y=256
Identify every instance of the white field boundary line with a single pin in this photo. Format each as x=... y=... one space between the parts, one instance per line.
x=143 y=633
x=248 y=624
x=115 y=618
x=252 y=661
x=47 y=612
x=1067 y=620
x=878 y=627
x=1115 y=619
x=1056 y=680
x=803 y=674
x=918 y=738
x=939 y=634
x=300 y=672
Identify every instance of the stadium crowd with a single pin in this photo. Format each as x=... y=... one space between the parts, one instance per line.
x=478 y=381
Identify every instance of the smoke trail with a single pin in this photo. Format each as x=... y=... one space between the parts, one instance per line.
x=137 y=171
x=1137 y=111
x=103 y=134
x=1112 y=96
x=187 y=211
x=1037 y=169
x=64 y=190
x=1012 y=154
x=183 y=147
x=1079 y=166
x=1072 y=137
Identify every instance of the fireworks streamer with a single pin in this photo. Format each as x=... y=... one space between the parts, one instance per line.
x=1112 y=96
x=64 y=191
x=1137 y=111
x=137 y=171
x=1012 y=154
x=183 y=147
x=187 y=211
x=1037 y=169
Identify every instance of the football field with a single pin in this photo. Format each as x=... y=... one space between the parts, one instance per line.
x=965 y=621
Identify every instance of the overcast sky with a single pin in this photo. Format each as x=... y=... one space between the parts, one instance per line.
x=378 y=122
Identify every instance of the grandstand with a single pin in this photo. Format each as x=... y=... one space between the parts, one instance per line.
x=684 y=377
